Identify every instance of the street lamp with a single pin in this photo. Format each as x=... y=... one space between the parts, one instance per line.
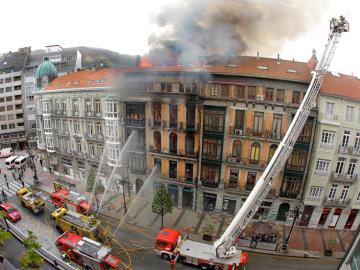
x=286 y=242
x=120 y=180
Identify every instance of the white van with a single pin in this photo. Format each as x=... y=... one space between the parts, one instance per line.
x=20 y=162
x=10 y=162
x=6 y=152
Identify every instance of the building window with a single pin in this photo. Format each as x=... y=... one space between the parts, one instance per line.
x=214 y=89
x=157 y=141
x=63 y=105
x=98 y=129
x=214 y=120
x=210 y=175
x=76 y=128
x=4 y=127
x=349 y=114
x=157 y=113
x=157 y=164
x=258 y=123
x=239 y=119
x=297 y=160
x=97 y=107
x=190 y=116
x=88 y=107
x=305 y=135
x=75 y=107
x=173 y=109
x=236 y=150
x=78 y=147
x=291 y=186
x=340 y=166
x=233 y=178
x=10 y=107
x=136 y=162
x=255 y=153
x=240 y=91
x=328 y=137
x=90 y=130
x=173 y=143
x=65 y=126
x=111 y=110
x=250 y=180
x=357 y=141
x=276 y=126
x=92 y=150
x=272 y=151
x=344 y=193
x=112 y=131
x=172 y=169
x=212 y=149
x=280 y=93
x=269 y=94
x=315 y=192
x=252 y=92
x=295 y=97
x=346 y=138
x=189 y=144
x=322 y=166
x=225 y=90
x=189 y=171
x=330 y=110
x=351 y=169
x=11 y=126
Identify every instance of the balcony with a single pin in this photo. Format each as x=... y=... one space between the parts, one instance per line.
x=210 y=184
x=79 y=154
x=232 y=185
x=336 y=202
x=156 y=123
x=246 y=161
x=191 y=126
x=75 y=113
x=155 y=148
x=214 y=157
x=91 y=157
x=289 y=194
x=135 y=122
x=214 y=128
x=349 y=150
x=237 y=131
x=343 y=178
x=295 y=168
x=173 y=124
x=303 y=139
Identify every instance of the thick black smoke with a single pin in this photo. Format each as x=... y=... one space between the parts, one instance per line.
x=197 y=29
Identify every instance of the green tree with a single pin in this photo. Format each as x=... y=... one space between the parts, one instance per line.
x=91 y=182
x=4 y=235
x=31 y=259
x=162 y=203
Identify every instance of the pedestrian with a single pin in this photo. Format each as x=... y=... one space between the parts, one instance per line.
x=23 y=184
x=41 y=162
x=13 y=175
x=5 y=177
x=4 y=195
x=7 y=184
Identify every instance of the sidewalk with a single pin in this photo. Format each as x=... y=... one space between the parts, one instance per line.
x=302 y=241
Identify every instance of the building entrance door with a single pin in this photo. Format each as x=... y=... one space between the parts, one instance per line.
x=209 y=201
x=351 y=218
x=305 y=218
x=283 y=212
x=335 y=218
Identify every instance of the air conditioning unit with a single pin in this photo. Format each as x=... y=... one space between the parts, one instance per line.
x=259 y=97
x=238 y=132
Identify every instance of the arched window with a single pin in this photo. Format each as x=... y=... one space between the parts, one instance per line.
x=236 y=150
x=157 y=141
x=190 y=144
x=255 y=153
x=173 y=143
x=272 y=151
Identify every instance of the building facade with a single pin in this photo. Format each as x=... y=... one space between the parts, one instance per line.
x=332 y=198
x=12 y=118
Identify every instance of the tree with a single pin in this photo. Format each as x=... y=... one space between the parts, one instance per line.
x=91 y=182
x=31 y=259
x=162 y=203
x=4 y=235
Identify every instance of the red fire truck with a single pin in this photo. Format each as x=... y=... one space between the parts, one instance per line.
x=71 y=200
x=171 y=245
x=85 y=252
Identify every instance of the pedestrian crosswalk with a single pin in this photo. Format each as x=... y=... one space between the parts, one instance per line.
x=14 y=186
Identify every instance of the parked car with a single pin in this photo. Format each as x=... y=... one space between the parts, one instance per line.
x=6 y=152
x=10 y=212
x=10 y=162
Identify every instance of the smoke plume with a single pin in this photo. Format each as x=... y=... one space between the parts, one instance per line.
x=194 y=30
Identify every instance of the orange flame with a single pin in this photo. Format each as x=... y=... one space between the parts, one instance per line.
x=145 y=62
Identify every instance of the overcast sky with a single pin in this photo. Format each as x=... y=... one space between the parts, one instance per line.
x=124 y=26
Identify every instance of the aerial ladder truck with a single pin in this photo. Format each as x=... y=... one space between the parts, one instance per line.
x=223 y=254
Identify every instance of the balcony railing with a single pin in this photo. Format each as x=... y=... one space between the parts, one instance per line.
x=344 y=178
x=191 y=126
x=237 y=131
x=350 y=150
x=92 y=157
x=232 y=185
x=210 y=184
x=289 y=194
x=336 y=202
x=212 y=157
x=75 y=113
x=246 y=161
x=213 y=128
x=304 y=139
x=296 y=168
x=155 y=148
x=134 y=122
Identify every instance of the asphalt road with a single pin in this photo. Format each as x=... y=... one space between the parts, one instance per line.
x=14 y=249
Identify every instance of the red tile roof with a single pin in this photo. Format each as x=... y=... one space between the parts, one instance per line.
x=341 y=85
x=104 y=77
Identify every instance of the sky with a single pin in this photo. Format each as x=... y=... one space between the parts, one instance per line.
x=124 y=26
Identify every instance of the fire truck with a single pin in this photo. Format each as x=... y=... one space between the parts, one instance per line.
x=88 y=226
x=30 y=200
x=223 y=253
x=62 y=197
x=85 y=252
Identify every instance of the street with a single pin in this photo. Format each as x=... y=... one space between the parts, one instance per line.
x=132 y=244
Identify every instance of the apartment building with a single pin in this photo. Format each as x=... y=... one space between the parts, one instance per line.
x=65 y=60
x=12 y=120
x=332 y=197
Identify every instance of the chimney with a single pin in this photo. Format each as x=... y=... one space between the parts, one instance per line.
x=312 y=63
x=257 y=55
